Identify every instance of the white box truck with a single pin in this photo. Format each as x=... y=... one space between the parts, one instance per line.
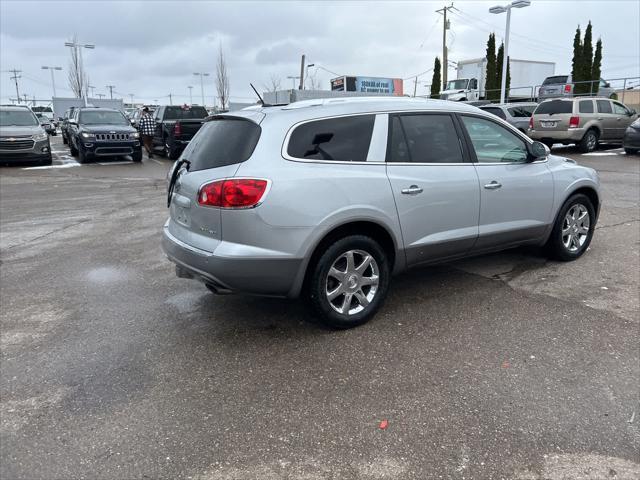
x=471 y=78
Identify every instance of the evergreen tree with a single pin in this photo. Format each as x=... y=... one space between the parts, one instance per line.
x=491 y=76
x=499 y=60
x=587 y=60
x=576 y=65
x=435 y=81
x=595 y=68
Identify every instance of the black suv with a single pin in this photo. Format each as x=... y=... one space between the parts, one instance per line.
x=102 y=132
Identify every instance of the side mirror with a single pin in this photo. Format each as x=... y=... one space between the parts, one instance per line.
x=632 y=112
x=539 y=150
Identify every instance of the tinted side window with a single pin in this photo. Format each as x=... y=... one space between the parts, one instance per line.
x=620 y=109
x=424 y=139
x=222 y=142
x=585 y=106
x=494 y=143
x=495 y=111
x=604 y=106
x=344 y=139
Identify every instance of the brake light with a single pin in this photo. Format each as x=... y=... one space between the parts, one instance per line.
x=235 y=193
x=574 y=122
x=531 y=123
x=567 y=88
x=177 y=129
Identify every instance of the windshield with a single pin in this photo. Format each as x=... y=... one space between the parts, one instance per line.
x=180 y=113
x=457 y=84
x=17 y=118
x=102 y=117
x=555 y=80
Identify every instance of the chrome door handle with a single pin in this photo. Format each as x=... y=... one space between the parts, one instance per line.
x=412 y=190
x=493 y=185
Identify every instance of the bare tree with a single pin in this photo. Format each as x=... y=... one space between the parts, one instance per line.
x=314 y=83
x=78 y=80
x=274 y=84
x=222 y=80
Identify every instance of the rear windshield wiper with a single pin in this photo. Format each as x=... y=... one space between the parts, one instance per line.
x=174 y=177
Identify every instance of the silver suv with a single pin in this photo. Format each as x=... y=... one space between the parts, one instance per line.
x=563 y=86
x=22 y=138
x=329 y=198
x=583 y=121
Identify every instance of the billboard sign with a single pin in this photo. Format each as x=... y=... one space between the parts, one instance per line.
x=379 y=85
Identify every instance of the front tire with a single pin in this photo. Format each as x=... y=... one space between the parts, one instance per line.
x=64 y=140
x=349 y=282
x=589 y=142
x=137 y=157
x=72 y=149
x=573 y=229
x=631 y=151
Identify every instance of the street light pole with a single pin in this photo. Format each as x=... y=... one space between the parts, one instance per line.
x=53 y=80
x=79 y=47
x=307 y=74
x=190 y=87
x=201 y=75
x=505 y=58
x=131 y=95
x=111 y=87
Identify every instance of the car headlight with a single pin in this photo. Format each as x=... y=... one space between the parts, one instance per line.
x=87 y=135
x=40 y=136
x=136 y=135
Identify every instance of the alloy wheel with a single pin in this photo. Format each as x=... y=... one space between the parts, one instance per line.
x=352 y=282
x=575 y=227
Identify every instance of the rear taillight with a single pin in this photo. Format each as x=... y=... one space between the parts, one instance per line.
x=574 y=122
x=235 y=193
x=177 y=129
x=531 y=123
x=567 y=88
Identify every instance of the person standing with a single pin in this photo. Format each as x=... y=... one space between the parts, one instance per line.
x=147 y=129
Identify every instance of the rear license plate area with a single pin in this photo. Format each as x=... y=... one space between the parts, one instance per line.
x=548 y=124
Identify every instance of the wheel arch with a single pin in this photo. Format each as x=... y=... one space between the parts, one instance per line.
x=370 y=228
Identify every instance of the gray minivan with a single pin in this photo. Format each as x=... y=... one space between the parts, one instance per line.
x=580 y=120
x=328 y=198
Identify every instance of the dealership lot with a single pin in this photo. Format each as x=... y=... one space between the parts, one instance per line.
x=506 y=365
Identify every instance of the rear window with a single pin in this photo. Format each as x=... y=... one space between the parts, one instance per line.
x=555 y=80
x=221 y=142
x=585 y=106
x=184 y=113
x=555 y=106
x=495 y=111
x=343 y=139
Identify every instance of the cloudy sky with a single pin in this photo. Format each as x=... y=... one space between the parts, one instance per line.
x=151 y=48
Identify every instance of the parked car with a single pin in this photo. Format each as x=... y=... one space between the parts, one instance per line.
x=580 y=120
x=102 y=132
x=517 y=114
x=563 y=86
x=176 y=126
x=64 y=124
x=22 y=138
x=46 y=123
x=631 y=140
x=331 y=197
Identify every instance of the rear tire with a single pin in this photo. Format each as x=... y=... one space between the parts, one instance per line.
x=631 y=151
x=349 y=282
x=573 y=229
x=589 y=141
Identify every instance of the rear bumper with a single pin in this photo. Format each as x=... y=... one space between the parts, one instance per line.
x=242 y=273
x=570 y=135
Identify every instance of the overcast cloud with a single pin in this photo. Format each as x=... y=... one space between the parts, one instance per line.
x=152 y=48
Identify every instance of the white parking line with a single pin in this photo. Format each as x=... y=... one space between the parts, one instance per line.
x=617 y=151
x=124 y=162
x=157 y=161
x=47 y=167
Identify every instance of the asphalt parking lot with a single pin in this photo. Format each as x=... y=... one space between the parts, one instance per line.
x=502 y=366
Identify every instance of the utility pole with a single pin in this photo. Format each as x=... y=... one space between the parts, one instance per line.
x=190 y=87
x=302 y=72
x=445 y=27
x=415 y=85
x=170 y=100
x=111 y=87
x=15 y=78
